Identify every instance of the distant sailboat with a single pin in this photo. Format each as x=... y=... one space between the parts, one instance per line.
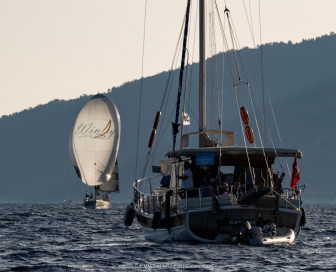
x=94 y=145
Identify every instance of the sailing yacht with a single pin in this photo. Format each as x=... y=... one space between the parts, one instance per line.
x=236 y=195
x=94 y=145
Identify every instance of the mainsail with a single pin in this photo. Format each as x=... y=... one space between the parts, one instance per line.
x=94 y=144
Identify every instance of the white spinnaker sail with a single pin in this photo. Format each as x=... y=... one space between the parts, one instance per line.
x=94 y=142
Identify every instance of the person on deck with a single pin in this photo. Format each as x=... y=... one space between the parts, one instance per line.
x=187 y=177
x=278 y=182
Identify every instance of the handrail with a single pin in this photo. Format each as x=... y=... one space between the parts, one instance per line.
x=138 y=180
x=154 y=202
x=287 y=197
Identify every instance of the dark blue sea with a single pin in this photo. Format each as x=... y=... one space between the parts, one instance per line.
x=58 y=238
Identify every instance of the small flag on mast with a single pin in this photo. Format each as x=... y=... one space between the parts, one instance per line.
x=186 y=119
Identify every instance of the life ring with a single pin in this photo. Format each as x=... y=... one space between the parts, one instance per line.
x=244 y=116
x=249 y=134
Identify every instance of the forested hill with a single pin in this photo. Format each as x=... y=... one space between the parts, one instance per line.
x=35 y=164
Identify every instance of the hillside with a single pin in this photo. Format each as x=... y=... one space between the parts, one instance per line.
x=35 y=163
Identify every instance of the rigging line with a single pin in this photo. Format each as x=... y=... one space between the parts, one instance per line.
x=225 y=43
x=160 y=130
x=268 y=95
x=226 y=46
x=221 y=95
x=179 y=43
x=164 y=107
x=168 y=89
x=175 y=125
x=266 y=127
x=250 y=24
x=215 y=75
x=211 y=66
x=192 y=61
x=278 y=131
x=185 y=87
x=245 y=144
x=252 y=102
x=240 y=56
x=140 y=94
x=234 y=45
x=252 y=34
x=262 y=72
x=220 y=112
x=261 y=65
x=250 y=93
x=276 y=153
x=184 y=96
x=237 y=55
x=215 y=66
x=258 y=129
x=251 y=17
x=159 y=138
x=164 y=101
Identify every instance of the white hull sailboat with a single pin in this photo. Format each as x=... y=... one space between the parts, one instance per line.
x=236 y=196
x=94 y=145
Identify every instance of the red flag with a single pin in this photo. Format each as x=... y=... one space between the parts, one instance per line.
x=295 y=174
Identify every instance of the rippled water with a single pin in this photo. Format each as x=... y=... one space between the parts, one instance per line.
x=57 y=238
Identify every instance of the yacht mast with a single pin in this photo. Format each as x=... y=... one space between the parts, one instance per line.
x=202 y=74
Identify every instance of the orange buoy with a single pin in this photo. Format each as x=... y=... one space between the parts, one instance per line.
x=249 y=134
x=244 y=116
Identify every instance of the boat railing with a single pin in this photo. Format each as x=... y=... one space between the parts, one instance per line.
x=204 y=198
x=146 y=199
x=292 y=194
x=150 y=201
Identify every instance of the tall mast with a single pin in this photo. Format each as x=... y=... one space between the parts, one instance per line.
x=202 y=74
x=176 y=124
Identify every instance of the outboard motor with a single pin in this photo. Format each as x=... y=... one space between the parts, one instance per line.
x=129 y=215
x=269 y=230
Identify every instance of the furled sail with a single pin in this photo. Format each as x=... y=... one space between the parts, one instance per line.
x=94 y=143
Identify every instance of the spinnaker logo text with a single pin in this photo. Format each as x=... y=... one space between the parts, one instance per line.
x=91 y=130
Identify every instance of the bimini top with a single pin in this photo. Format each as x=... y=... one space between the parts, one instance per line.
x=236 y=154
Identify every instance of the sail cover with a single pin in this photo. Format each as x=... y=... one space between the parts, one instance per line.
x=94 y=142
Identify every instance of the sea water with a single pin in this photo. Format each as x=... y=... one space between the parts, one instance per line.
x=70 y=238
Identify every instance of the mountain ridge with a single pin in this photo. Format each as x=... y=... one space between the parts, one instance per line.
x=36 y=166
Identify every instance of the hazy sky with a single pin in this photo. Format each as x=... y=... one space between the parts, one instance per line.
x=64 y=48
